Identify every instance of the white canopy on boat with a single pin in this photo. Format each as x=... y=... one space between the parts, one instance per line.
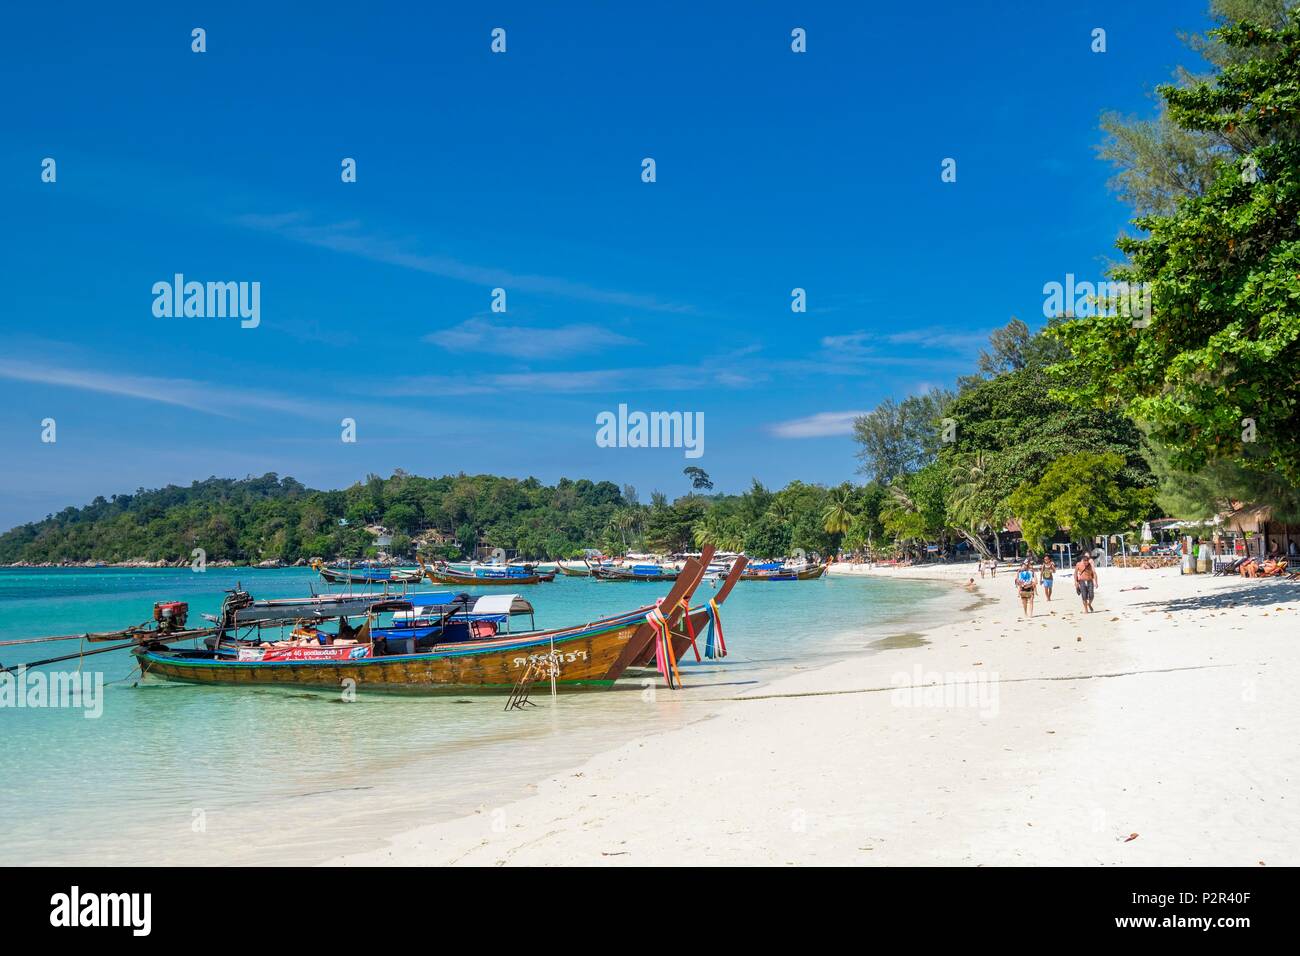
x=502 y=604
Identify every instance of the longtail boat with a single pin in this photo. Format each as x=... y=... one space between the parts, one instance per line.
x=582 y=572
x=527 y=567
x=589 y=655
x=484 y=575
x=368 y=574
x=781 y=573
x=636 y=572
x=594 y=654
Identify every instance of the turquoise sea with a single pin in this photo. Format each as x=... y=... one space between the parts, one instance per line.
x=177 y=774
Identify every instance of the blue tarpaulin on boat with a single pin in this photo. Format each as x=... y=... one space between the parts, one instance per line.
x=432 y=598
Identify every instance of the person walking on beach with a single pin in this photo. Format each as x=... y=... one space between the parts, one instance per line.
x=1085 y=581
x=1026 y=587
x=1047 y=573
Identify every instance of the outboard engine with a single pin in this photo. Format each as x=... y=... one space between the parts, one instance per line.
x=171 y=615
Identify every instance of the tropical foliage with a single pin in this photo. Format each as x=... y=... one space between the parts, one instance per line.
x=273 y=518
x=270 y=518
x=1084 y=492
x=1213 y=373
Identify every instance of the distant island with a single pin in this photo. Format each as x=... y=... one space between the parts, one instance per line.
x=280 y=521
x=1017 y=455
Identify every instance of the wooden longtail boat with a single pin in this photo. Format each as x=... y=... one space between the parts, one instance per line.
x=480 y=577
x=637 y=572
x=366 y=574
x=528 y=567
x=573 y=572
x=788 y=574
x=589 y=655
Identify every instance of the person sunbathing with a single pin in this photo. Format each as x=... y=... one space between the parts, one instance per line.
x=1249 y=568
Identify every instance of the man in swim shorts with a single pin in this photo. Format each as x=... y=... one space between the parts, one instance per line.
x=1085 y=581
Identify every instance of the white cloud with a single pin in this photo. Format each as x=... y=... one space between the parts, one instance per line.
x=345 y=237
x=526 y=342
x=821 y=425
x=863 y=345
x=193 y=394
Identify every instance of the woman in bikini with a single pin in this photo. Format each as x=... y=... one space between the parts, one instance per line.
x=1047 y=573
x=1026 y=587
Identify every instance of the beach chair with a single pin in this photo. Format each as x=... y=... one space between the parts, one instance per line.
x=1233 y=567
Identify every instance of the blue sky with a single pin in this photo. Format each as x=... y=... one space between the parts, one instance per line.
x=522 y=170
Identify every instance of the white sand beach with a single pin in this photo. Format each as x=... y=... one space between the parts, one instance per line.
x=1164 y=729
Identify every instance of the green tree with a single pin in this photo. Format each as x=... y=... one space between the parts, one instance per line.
x=402 y=517
x=1083 y=493
x=767 y=538
x=837 y=516
x=1215 y=375
x=700 y=480
x=898 y=438
x=916 y=513
x=972 y=501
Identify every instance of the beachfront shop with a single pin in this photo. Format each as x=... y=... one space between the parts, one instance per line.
x=1253 y=531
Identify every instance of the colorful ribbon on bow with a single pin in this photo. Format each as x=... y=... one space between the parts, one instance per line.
x=712 y=651
x=690 y=626
x=664 y=659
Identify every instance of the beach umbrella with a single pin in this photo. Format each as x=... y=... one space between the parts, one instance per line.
x=1146 y=531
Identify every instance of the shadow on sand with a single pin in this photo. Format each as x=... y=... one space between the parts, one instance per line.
x=1248 y=593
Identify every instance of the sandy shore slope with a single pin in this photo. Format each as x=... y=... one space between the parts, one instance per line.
x=1162 y=730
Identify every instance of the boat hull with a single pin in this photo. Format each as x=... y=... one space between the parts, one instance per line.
x=617 y=574
x=365 y=575
x=472 y=580
x=804 y=574
x=587 y=657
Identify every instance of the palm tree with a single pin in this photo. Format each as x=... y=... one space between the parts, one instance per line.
x=902 y=515
x=968 y=502
x=836 y=517
x=628 y=520
x=720 y=532
x=779 y=510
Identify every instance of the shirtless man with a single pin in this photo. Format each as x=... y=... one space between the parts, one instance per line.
x=1085 y=581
